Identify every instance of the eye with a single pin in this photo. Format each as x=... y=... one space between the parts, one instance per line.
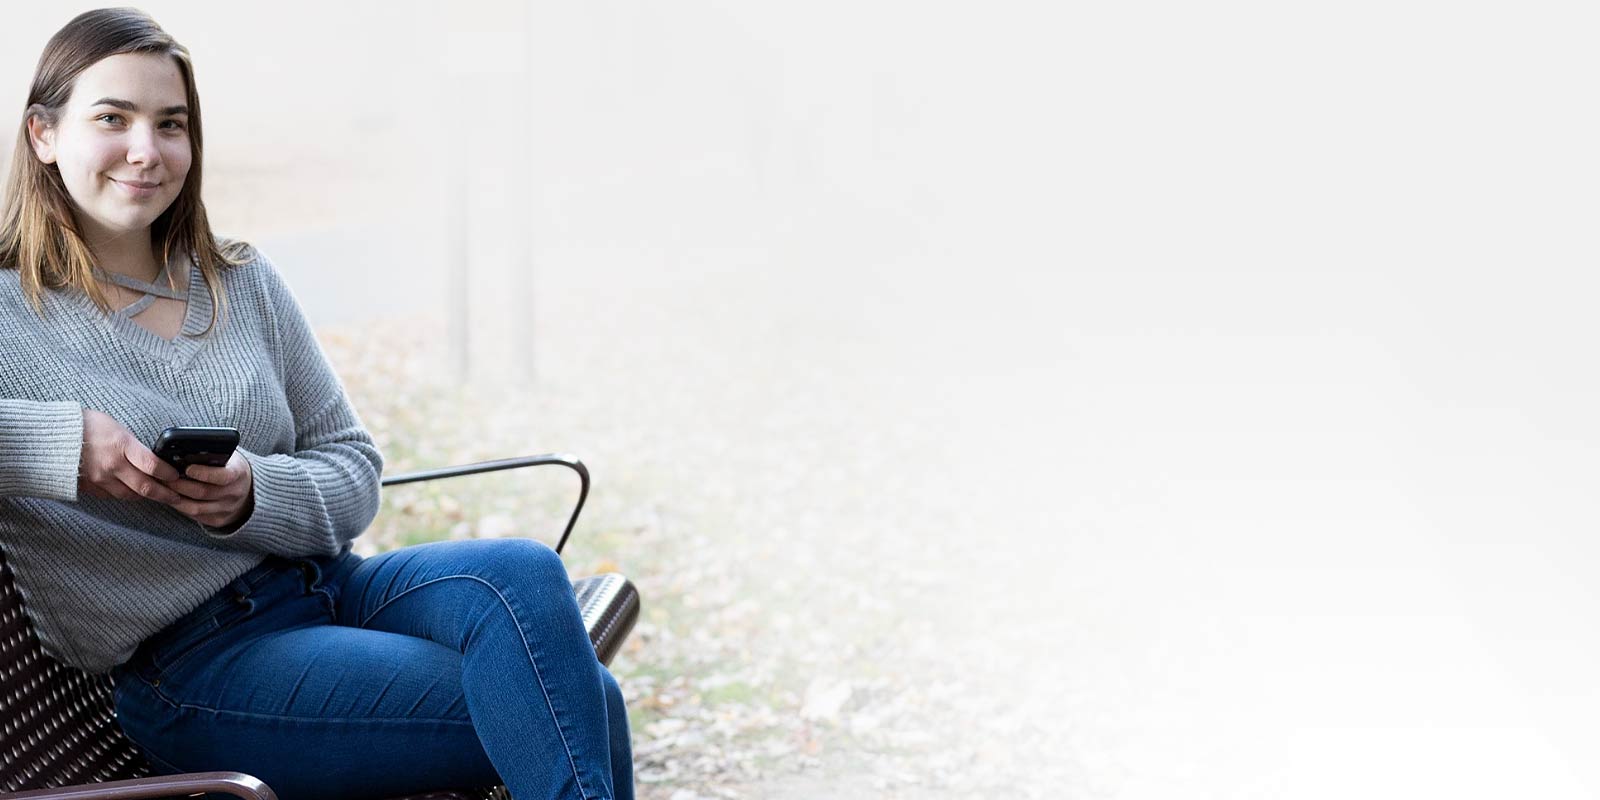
x=109 y=116
x=176 y=125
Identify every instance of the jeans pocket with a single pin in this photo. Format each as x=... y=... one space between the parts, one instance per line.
x=138 y=706
x=171 y=654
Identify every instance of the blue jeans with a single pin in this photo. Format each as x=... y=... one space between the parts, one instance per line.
x=446 y=665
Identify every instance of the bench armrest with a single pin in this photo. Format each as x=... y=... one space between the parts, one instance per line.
x=234 y=783
x=562 y=459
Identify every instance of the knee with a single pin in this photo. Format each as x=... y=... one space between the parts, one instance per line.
x=616 y=714
x=525 y=563
x=613 y=689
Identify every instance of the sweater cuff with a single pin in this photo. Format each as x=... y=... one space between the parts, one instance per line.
x=279 y=499
x=41 y=445
x=230 y=530
x=252 y=521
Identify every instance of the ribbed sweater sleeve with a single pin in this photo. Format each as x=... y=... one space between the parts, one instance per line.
x=314 y=500
x=40 y=446
x=99 y=575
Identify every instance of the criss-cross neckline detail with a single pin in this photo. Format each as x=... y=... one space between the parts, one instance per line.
x=176 y=351
x=151 y=289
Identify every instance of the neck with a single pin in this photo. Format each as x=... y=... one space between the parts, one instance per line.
x=127 y=254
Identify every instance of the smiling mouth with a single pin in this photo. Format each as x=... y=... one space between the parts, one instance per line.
x=134 y=191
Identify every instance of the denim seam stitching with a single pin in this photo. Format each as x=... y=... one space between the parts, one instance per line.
x=525 y=646
x=179 y=706
x=156 y=690
x=315 y=718
x=160 y=762
x=189 y=648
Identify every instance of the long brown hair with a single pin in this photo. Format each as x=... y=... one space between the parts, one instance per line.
x=39 y=234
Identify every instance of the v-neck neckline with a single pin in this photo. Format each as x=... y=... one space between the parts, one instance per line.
x=177 y=351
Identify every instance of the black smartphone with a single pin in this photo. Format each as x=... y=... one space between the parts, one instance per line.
x=182 y=445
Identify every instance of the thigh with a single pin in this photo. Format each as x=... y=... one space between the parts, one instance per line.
x=439 y=590
x=316 y=711
x=531 y=680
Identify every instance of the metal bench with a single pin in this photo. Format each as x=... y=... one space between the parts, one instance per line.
x=59 y=737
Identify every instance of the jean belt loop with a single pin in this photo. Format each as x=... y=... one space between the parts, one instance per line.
x=241 y=591
x=311 y=572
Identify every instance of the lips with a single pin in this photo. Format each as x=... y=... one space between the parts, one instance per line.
x=137 y=190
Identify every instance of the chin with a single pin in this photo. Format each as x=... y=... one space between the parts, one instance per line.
x=123 y=227
x=128 y=224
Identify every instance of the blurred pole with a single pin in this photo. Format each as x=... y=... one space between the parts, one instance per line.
x=523 y=327
x=486 y=65
x=460 y=284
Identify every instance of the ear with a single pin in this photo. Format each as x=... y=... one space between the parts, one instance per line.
x=42 y=137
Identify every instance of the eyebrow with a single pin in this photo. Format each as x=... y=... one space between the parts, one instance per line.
x=127 y=106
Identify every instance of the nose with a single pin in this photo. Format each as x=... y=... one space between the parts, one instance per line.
x=142 y=146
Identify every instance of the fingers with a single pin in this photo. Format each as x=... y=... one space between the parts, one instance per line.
x=209 y=505
x=142 y=485
x=124 y=487
x=216 y=476
x=195 y=510
x=144 y=474
x=237 y=469
x=195 y=490
x=118 y=465
x=147 y=462
x=215 y=513
x=107 y=478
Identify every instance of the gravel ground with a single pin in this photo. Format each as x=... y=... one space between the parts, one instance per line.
x=841 y=585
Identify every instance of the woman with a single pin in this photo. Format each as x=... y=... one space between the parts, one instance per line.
x=240 y=631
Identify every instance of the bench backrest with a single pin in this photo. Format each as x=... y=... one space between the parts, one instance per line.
x=57 y=726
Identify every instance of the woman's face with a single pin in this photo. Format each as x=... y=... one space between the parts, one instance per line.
x=122 y=143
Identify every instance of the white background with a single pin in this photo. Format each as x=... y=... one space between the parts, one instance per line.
x=1280 y=313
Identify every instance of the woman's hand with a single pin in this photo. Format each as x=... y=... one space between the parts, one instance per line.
x=216 y=496
x=114 y=463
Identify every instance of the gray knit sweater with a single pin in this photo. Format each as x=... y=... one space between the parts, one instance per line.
x=100 y=575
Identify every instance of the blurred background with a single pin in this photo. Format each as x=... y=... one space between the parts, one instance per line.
x=1017 y=399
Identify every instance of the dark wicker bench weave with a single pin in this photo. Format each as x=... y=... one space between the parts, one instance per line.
x=58 y=725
